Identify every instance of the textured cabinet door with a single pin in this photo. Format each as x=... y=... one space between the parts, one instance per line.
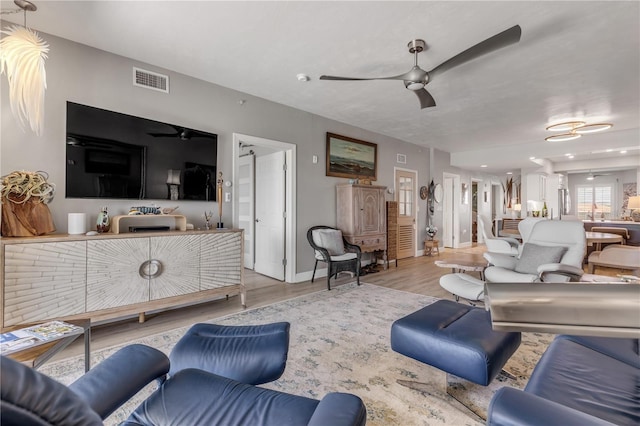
x=369 y=211
x=43 y=281
x=221 y=260
x=178 y=269
x=113 y=273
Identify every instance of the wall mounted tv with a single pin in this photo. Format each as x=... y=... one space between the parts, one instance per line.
x=114 y=155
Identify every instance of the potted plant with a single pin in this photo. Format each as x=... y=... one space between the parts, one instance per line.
x=24 y=197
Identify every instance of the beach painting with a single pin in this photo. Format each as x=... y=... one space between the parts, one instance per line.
x=351 y=158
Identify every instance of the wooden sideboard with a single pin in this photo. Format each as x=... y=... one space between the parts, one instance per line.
x=110 y=276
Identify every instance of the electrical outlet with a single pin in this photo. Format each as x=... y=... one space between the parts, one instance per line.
x=314 y=159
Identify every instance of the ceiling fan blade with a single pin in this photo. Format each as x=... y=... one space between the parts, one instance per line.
x=395 y=77
x=426 y=100
x=498 y=41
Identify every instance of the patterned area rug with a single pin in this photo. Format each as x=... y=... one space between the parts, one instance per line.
x=340 y=342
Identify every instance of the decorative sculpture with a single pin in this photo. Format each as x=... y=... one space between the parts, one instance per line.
x=219 y=183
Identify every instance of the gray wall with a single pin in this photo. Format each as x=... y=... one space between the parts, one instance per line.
x=93 y=77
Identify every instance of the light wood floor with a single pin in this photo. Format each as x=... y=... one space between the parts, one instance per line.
x=417 y=275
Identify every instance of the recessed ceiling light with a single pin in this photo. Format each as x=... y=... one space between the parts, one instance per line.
x=302 y=77
x=567 y=154
x=608 y=150
x=571 y=157
x=623 y=152
x=532 y=158
x=484 y=165
x=509 y=173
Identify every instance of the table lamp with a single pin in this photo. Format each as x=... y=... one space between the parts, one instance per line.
x=173 y=183
x=634 y=206
x=517 y=208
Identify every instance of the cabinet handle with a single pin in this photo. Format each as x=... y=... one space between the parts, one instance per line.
x=150 y=269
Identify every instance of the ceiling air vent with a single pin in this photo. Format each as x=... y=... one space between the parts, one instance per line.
x=150 y=80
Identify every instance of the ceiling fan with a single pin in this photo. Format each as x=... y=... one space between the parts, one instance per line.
x=417 y=78
x=592 y=176
x=183 y=133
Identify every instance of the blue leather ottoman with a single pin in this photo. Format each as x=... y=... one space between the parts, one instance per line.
x=455 y=338
x=252 y=354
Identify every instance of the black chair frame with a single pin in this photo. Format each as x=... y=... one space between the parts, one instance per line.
x=335 y=267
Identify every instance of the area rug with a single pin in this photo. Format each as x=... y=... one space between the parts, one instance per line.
x=340 y=343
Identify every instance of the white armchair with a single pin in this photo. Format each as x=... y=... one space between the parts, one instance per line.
x=495 y=244
x=618 y=257
x=553 y=253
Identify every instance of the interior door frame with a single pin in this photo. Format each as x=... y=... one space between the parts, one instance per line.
x=456 y=195
x=419 y=251
x=479 y=188
x=250 y=160
x=290 y=193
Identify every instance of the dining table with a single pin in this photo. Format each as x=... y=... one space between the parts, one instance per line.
x=598 y=238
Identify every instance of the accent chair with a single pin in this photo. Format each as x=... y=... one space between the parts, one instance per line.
x=333 y=249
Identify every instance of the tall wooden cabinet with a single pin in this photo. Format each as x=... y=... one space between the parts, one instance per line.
x=361 y=215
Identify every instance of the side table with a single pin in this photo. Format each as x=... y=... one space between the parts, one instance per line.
x=460 y=265
x=35 y=356
x=431 y=247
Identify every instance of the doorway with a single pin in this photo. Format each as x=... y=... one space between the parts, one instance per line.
x=407 y=198
x=496 y=208
x=451 y=213
x=474 y=210
x=281 y=239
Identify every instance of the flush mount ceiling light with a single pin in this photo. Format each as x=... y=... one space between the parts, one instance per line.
x=575 y=129
x=592 y=128
x=22 y=56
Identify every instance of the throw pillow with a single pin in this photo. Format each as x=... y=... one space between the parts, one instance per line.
x=330 y=239
x=534 y=255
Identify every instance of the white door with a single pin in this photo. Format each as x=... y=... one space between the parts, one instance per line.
x=270 y=215
x=447 y=213
x=246 y=205
x=406 y=197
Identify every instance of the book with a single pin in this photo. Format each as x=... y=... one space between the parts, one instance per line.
x=36 y=335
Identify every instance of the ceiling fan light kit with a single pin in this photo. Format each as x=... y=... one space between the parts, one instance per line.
x=416 y=79
x=576 y=129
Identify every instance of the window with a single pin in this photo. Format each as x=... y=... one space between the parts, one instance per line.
x=594 y=201
x=405 y=196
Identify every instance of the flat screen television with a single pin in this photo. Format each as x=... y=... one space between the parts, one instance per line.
x=119 y=156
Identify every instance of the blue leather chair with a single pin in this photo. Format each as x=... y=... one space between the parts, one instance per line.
x=189 y=397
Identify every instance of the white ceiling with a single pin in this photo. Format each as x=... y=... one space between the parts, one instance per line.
x=575 y=60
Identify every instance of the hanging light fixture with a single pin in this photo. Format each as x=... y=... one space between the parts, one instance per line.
x=22 y=56
x=574 y=130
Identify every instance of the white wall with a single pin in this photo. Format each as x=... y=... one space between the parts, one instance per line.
x=93 y=77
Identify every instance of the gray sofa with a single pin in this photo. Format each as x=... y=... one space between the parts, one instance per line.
x=578 y=381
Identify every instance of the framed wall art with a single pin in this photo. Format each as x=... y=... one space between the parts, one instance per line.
x=351 y=158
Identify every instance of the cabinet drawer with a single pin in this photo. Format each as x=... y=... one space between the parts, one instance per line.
x=370 y=243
